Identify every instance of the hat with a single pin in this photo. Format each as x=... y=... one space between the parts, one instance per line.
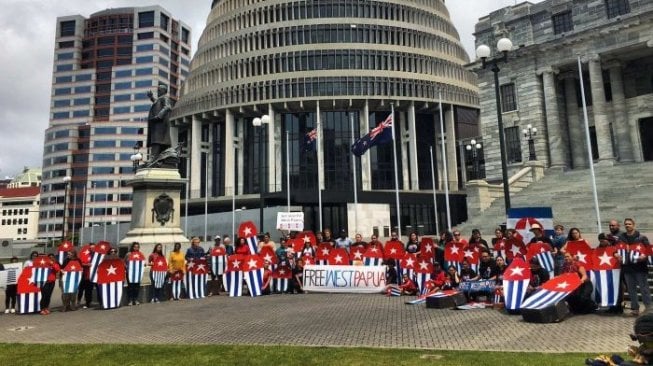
x=217 y=237
x=536 y=227
x=602 y=236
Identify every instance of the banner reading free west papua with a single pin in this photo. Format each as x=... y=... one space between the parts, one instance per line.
x=347 y=279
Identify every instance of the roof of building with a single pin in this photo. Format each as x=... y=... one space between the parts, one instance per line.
x=19 y=192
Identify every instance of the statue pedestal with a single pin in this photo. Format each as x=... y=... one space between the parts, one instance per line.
x=156 y=213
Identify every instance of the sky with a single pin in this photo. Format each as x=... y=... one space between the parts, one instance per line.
x=27 y=31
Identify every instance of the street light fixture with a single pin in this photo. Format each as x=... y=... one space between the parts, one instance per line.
x=66 y=182
x=530 y=132
x=474 y=146
x=136 y=157
x=262 y=123
x=483 y=52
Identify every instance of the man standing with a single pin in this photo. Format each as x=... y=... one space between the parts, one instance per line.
x=615 y=231
x=343 y=241
x=227 y=245
x=636 y=271
x=195 y=251
x=538 y=235
x=158 y=122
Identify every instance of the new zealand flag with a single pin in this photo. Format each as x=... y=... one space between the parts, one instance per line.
x=379 y=135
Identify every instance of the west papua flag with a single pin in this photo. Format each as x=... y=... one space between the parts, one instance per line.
x=407 y=266
x=233 y=276
x=322 y=253
x=159 y=271
x=309 y=140
x=604 y=274
x=356 y=255
x=101 y=249
x=522 y=218
x=71 y=276
x=196 y=275
x=29 y=294
x=301 y=239
x=176 y=281
x=394 y=249
x=636 y=251
x=622 y=250
x=515 y=283
x=515 y=248
x=85 y=254
x=453 y=254
x=41 y=269
x=379 y=135
x=110 y=277
x=541 y=251
x=373 y=257
x=581 y=250
x=473 y=257
x=218 y=258
x=248 y=231
x=281 y=278
x=423 y=270
x=338 y=257
x=135 y=267
x=254 y=274
x=427 y=248
x=499 y=249
x=308 y=260
x=267 y=254
x=62 y=250
x=552 y=291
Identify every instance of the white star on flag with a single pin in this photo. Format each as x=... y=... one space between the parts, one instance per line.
x=515 y=250
x=428 y=247
x=200 y=267
x=42 y=261
x=248 y=231
x=423 y=265
x=581 y=257
x=252 y=263
x=358 y=254
x=518 y=270
x=111 y=270
x=87 y=252
x=160 y=263
x=338 y=258
x=191 y=264
x=268 y=258
x=605 y=259
x=374 y=250
x=638 y=248
x=410 y=262
x=282 y=271
x=72 y=268
x=454 y=249
x=236 y=263
x=542 y=250
x=393 y=251
x=307 y=239
x=65 y=246
x=469 y=253
x=102 y=246
x=563 y=285
x=325 y=251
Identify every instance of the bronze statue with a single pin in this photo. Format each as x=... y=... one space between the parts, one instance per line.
x=159 y=135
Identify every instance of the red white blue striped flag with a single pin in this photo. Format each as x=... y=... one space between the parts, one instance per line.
x=254 y=275
x=110 y=278
x=604 y=274
x=552 y=291
x=135 y=267
x=515 y=283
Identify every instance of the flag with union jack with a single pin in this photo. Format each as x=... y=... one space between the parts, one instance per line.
x=71 y=276
x=552 y=291
x=604 y=274
x=233 y=276
x=379 y=135
x=254 y=274
x=110 y=278
x=515 y=283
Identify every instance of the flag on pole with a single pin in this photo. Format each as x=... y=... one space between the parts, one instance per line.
x=218 y=257
x=309 y=140
x=110 y=277
x=62 y=251
x=552 y=291
x=135 y=267
x=254 y=274
x=29 y=294
x=233 y=276
x=71 y=276
x=248 y=231
x=41 y=269
x=196 y=272
x=604 y=274
x=379 y=135
x=515 y=283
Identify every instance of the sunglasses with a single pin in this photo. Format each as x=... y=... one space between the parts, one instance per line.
x=456 y=234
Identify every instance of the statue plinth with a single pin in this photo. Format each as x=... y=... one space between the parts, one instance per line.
x=156 y=213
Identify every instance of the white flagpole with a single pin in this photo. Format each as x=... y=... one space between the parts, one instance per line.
x=288 y=168
x=589 y=147
x=435 y=200
x=444 y=160
x=233 y=199
x=72 y=237
x=206 y=197
x=81 y=230
x=104 y=218
x=187 y=192
x=320 y=160
x=118 y=213
x=353 y=169
x=394 y=153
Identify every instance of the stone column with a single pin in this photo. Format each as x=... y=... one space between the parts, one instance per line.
x=620 y=120
x=229 y=153
x=577 y=138
x=274 y=156
x=601 y=124
x=320 y=148
x=557 y=146
x=366 y=171
x=195 y=157
x=240 y=127
x=452 y=161
x=404 y=138
x=412 y=147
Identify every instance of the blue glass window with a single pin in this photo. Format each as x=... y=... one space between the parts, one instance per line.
x=82 y=113
x=143 y=83
x=144 y=59
x=65 y=67
x=82 y=89
x=144 y=47
x=105 y=130
x=121 y=110
x=63 y=79
x=65 y=56
x=123 y=73
x=62 y=91
x=60 y=115
x=61 y=103
x=142 y=108
x=122 y=98
x=123 y=85
x=144 y=71
x=105 y=143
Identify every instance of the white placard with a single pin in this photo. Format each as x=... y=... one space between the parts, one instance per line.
x=349 y=279
x=10 y=275
x=291 y=221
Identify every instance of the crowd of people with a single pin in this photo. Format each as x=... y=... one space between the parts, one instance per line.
x=488 y=265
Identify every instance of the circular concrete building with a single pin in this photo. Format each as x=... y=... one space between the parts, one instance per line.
x=326 y=63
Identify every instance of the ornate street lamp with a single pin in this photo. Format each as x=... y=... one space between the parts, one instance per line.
x=262 y=123
x=66 y=182
x=530 y=132
x=474 y=146
x=137 y=157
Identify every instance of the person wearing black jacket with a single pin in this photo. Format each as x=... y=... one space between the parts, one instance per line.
x=636 y=273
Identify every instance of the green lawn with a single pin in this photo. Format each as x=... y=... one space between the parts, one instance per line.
x=69 y=355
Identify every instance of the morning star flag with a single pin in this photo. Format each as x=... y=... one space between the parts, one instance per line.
x=604 y=273
x=233 y=276
x=29 y=294
x=622 y=249
x=301 y=239
x=322 y=253
x=248 y=231
x=71 y=276
x=427 y=248
x=407 y=265
x=356 y=255
x=135 y=267
x=176 y=280
x=101 y=249
x=637 y=250
x=522 y=218
x=499 y=249
x=62 y=251
x=309 y=140
x=196 y=273
x=515 y=283
x=423 y=270
x=41 y=269
x=159 y=271
x=85 y=254
x=515 y=248
x=541 y=251
x=268 y=255
x=381 y=134
x=338 y=257
x=373 y=256
x=110 y=277
x=473 y=257
x=453 y=254
x=552 y=291
x=394 y=249
x=218 y=258
x=254 y=274
x=581 y=250
x=281 y=279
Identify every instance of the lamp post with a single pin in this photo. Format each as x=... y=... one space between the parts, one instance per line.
x=474 y=146
x=136 y=157
x=503 y=45
x=66 y=182
x=262 y=123
x=529 y=132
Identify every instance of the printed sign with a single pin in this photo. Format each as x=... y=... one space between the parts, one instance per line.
x=349 y=279
x=291 y=221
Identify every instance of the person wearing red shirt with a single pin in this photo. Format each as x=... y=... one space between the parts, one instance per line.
x=267 y=278
x=408 y=286
x=242 y=247
x=48 y=286
x=437 y=281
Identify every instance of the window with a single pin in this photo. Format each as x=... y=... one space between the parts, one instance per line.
x=145 y=47
x=67 y=44
x=185 y=35
x=105 y=130
x=82 y=101
x=60 y=115
x=131 y=131
x=105 y=99
x=61 y=103
x=141 y=108
x=61 y=134
x=123 y=85
x=102 y=170
x=63 y=79
x=121 y=110
x=123 y=73
x=105 y=52
x=614 y=8
x=146 y=19
x=122 y=98
x=146 y=35
x=66 y=67
x=82 y=113
x=103 y=157
x=164 y=20
x=67 y=28
x=62 y=91
x=143 y=83
x=562 y=22
x=144 y=59
x=83 y=89
x=130 y=143
x=83 y=77
x=105 y=143
x=513 y=145
x=144 y=71
x=508 y=100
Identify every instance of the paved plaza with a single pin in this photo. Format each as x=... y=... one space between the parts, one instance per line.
x=318 y=320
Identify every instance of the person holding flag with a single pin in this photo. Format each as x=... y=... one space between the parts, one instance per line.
x=635 y=272
x=176 y=270
x=158 y=270
x=580 y=300
x=71 y=276
x=48 y=286
x=134 y=263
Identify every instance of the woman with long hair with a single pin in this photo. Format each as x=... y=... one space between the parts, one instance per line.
x=157 y=261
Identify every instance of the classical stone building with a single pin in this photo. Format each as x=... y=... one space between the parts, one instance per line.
x=539 y=85
x=306 y=63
